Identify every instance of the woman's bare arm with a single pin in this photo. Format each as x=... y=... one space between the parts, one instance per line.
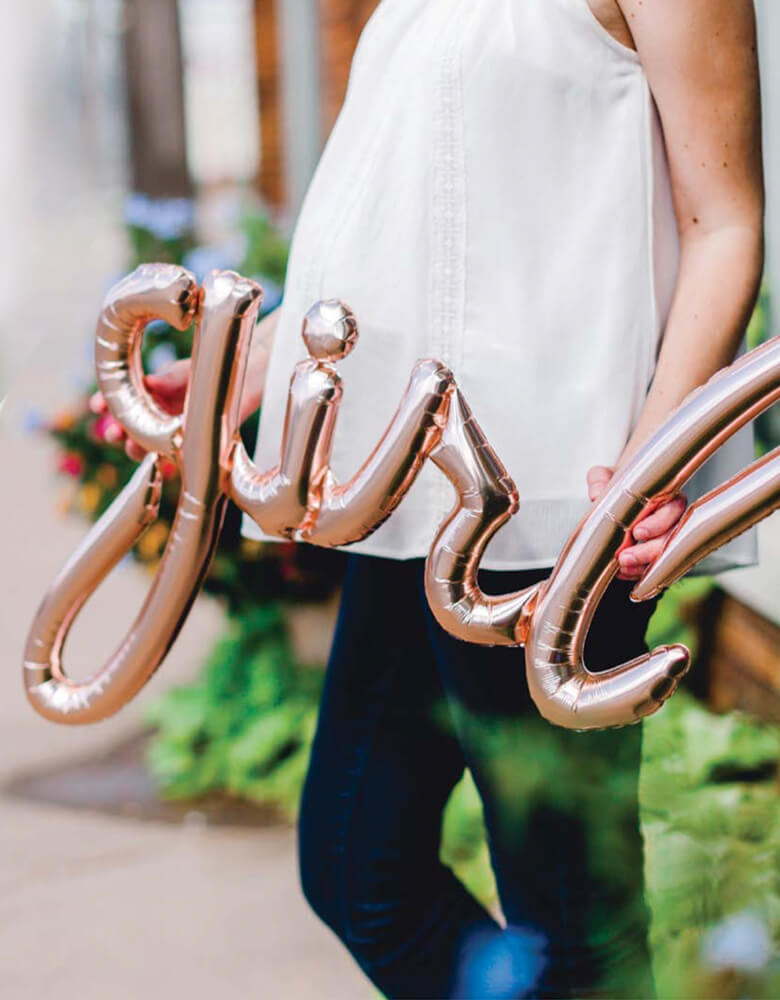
x=257 y=364
x=701 y=62
x=700 y=57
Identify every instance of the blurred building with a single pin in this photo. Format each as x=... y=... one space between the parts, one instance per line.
x=304 y=51
x=226 y=91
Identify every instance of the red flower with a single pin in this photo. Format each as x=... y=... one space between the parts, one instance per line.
x=71 y=463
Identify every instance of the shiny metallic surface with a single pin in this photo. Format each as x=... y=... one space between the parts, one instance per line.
x=280 y=500
x=348 y=513
x=300 y=498
x=152 y=291
x=485 y=499
x=211 y=423
x=564 y=690
x=111 y=537
x=712 y=521
x=330 y=330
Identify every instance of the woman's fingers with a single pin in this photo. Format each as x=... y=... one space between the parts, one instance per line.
x=169 y=388
x=598 y=480
x=635 y=560
x=112 y=432
x=661 y=520
x=650 y=534
x=133 y=450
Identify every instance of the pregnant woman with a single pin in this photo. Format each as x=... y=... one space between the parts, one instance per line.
x=562 y=200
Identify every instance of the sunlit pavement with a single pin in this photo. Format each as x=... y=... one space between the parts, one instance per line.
x=95 y=906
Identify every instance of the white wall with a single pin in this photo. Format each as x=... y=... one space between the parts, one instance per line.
x=220 y=90
x=299 y=57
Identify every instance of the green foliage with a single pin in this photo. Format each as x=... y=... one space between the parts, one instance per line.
x=146 y=246
x=464 y=846
x=672 y=619
x=710 y=819
x=767 y=425
x=266 y=250
x=245 y=726
x=710 y=815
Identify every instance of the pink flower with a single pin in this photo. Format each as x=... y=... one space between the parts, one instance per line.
x=99 y=426
x=71 y=463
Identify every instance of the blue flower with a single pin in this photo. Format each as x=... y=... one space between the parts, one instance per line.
x=216 y=257
x=164 y=218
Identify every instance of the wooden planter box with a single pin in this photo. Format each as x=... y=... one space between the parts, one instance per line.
x=739 y=658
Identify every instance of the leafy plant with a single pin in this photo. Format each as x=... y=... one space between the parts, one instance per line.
x=245 y=726
x=711 y=823
x=767 y=425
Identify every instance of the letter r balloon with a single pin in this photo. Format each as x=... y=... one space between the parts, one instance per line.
x=300 y=498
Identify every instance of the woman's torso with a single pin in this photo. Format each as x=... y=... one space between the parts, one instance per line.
x=495 y=194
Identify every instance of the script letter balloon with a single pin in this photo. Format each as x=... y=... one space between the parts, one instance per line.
x=300 y=498
x=200 y=444
x=486 y=498
x=564 y=690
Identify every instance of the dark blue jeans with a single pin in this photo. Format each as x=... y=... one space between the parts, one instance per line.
x=405 y=709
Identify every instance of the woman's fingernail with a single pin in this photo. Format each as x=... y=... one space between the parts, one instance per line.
x=628 y=560
x=640 y=533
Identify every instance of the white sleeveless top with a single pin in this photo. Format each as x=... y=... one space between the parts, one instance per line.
x=494 y=194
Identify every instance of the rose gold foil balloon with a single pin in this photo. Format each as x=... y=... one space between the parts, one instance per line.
x=567 y=693
x=347 y=513
x=714 y=520
x=152 y=291
x=300 y=498
x=486 y=498
x=200 y=443
x=280 y=500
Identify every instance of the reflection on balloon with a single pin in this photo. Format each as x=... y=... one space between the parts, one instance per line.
x=300 y=498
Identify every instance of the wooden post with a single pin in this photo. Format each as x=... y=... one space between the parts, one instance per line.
x=155 y=98
x=271 y=179
x=737 y=660
x=341 y=22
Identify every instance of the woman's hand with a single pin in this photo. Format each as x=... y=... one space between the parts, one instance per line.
x=169 y=388
x=650 y=533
